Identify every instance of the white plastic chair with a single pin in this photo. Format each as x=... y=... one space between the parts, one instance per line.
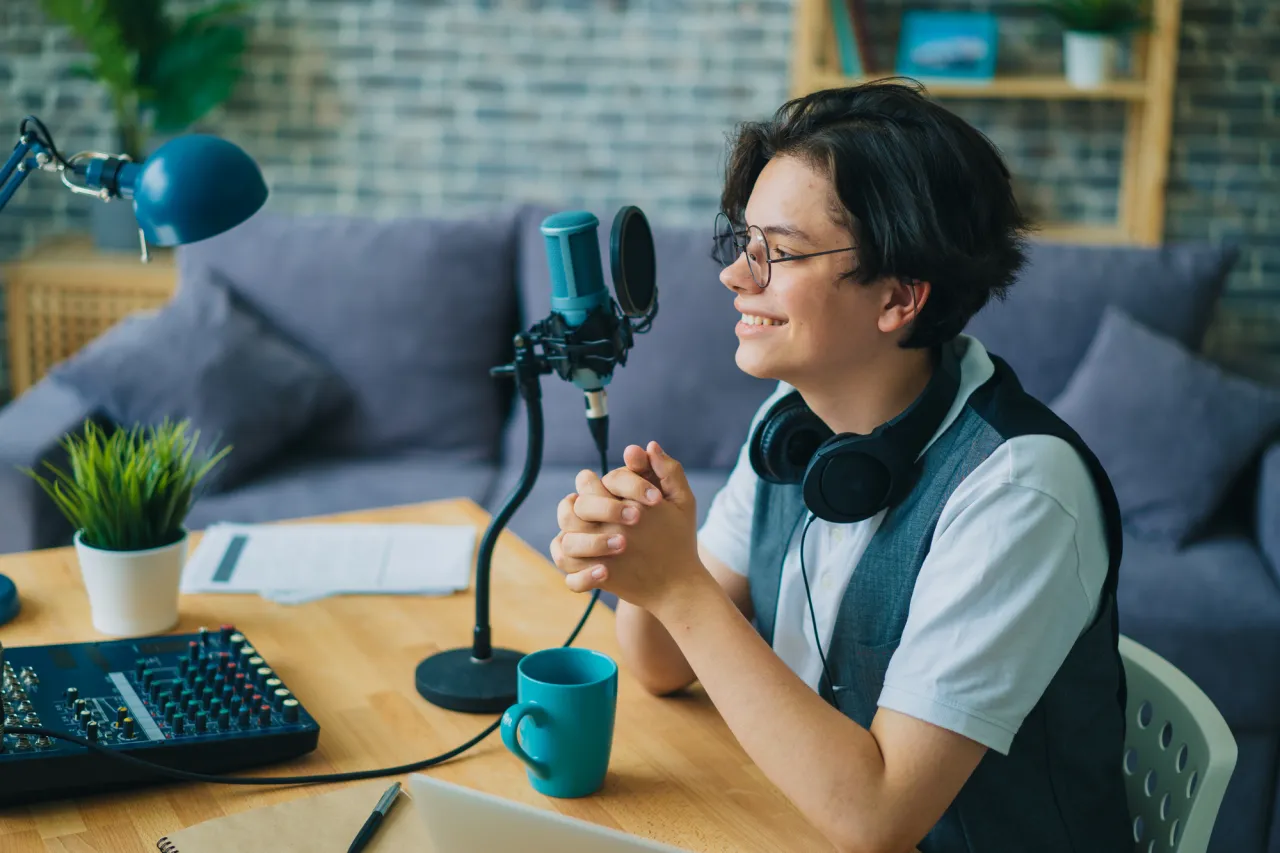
x=1179 y=755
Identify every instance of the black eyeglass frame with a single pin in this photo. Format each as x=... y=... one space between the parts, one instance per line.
x=741 y=248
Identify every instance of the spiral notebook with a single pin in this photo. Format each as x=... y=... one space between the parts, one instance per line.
x=316 y=824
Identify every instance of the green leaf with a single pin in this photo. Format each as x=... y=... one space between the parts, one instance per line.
x=197 y=71
x=128 y=489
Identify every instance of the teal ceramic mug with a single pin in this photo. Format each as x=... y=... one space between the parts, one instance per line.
x=562 y=726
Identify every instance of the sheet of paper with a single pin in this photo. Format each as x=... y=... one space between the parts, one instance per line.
x=293 y=563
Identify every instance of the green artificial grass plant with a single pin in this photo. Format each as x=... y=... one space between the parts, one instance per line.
x=129 y=489
x=1103 y=17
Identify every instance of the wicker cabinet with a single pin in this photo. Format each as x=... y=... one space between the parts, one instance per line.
x=64 y=294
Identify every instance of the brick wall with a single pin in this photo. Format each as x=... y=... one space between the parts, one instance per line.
x=443 y=106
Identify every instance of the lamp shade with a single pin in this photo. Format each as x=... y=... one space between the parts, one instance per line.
x=193 y=187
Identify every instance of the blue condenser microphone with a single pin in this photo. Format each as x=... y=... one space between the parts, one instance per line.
x=588 y=334
x=578 y=296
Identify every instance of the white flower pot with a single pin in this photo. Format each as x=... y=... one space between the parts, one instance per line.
x=133 y=592
x=1090 y=59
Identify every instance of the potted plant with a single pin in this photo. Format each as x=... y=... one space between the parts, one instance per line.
x=1093 y=29
x=163 y=74
x=127 y=495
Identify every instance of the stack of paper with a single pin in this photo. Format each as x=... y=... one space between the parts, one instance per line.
x=293 y=563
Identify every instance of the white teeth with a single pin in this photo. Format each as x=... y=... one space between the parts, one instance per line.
x=753 y=320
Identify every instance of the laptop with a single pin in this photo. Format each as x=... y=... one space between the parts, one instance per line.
x=463 y=820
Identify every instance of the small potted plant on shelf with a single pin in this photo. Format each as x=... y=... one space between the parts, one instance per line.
x=127 y=494
x=1093 y=30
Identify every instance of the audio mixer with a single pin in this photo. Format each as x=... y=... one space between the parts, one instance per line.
x=205 y=702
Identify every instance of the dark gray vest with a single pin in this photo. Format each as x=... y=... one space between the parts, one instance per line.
x=1060 y=787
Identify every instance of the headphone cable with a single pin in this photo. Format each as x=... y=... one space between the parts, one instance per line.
x=804 y=575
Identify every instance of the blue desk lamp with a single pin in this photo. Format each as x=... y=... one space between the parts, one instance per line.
x=191 y=188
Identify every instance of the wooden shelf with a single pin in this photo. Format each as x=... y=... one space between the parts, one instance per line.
x=1070 y=232
x=1039 y=87
x=1146 y=99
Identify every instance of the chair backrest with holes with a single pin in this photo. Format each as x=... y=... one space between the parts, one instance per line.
x=1179 y=755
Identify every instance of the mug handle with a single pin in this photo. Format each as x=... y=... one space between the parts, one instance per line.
x=510 y=726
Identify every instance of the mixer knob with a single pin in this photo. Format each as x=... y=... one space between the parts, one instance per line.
x=290 y=709
x=223 y=660
x=227 y=694
x=157 y=690
x=246 y=652
x=185 y=700
x=279 y=696
x=191 y=676
x=175 y=689
x=86 y=719
x=197 y=685
x=224 y=720
x=263 y=673
x=24 y=707
x=140 y=667
x=11 y=721
x=225 y=631
x=183 y=666
x=126 y=728
x=73 y=693
x=254 y=662
x=148 y=676
x=264 y=715
x=206 y=696
x=23 y=743
x=219 y=682
x=193 y=709
x=234 y=703
x=242 y=717
x=204 y=637
x=170 y=711
x=78 y=705
x=236 y=641
x=121 y=714
x=43 y=742
x=193 y=651
x=179 y=724
x=202 y=721
x=91 y=730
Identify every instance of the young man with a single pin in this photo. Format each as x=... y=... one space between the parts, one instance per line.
x=911 y=631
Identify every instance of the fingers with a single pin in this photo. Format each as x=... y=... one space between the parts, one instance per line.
x=588 y=483
x=635 y=458
x=627 y=484
x=587 y=579
x=587 y=546
x=567 y=517
x=675 y=486
x=600 y=510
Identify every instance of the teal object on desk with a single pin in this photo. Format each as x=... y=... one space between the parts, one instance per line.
x=568 y=699
x=9 y=603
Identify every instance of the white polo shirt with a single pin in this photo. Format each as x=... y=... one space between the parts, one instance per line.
x=1013 y=576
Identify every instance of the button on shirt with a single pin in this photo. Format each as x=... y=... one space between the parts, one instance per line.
x=1013 y=576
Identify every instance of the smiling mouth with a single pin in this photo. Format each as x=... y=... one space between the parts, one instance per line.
x=754 y=320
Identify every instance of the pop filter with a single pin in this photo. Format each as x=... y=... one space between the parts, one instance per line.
x=632 y=263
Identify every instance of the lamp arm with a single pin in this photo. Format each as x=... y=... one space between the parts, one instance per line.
x=27 y=156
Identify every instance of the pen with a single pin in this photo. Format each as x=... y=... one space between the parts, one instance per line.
x=371 y=825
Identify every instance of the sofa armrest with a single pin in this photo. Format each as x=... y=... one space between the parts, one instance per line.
x=1268 y=508
x=31 y=427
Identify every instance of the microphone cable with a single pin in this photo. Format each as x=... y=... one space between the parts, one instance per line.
x=349 y=776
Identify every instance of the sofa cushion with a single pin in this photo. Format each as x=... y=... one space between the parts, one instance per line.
x=1172 y=430
x=411 y=313
x=1213 y=610
x=680 y=386
x=208 y=358
x=1046 y=322
x=298 y=487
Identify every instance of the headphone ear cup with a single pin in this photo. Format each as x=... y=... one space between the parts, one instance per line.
x=852 y=478
x=786 y=440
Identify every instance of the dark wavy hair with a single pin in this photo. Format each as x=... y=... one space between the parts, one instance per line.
x=924 y=194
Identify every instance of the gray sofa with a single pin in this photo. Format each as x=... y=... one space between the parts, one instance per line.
x=397 y=323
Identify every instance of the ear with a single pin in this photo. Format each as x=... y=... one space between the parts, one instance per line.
x=904 y=301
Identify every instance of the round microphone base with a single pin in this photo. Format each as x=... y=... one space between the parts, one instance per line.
x=457 y=681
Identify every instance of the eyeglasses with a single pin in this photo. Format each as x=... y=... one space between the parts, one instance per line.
x=729 y=245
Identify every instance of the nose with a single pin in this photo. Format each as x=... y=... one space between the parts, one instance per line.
x=737 y=277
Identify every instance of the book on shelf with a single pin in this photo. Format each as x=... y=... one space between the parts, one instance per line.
x=852 y=42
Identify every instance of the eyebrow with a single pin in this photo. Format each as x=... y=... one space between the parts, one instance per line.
x=785 y=231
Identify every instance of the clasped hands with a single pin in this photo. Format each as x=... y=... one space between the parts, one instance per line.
x=632 y=532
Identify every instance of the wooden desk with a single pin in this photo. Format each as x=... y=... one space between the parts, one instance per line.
x=676 y=775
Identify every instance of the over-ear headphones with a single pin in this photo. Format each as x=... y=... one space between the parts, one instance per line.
x=851 y=477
